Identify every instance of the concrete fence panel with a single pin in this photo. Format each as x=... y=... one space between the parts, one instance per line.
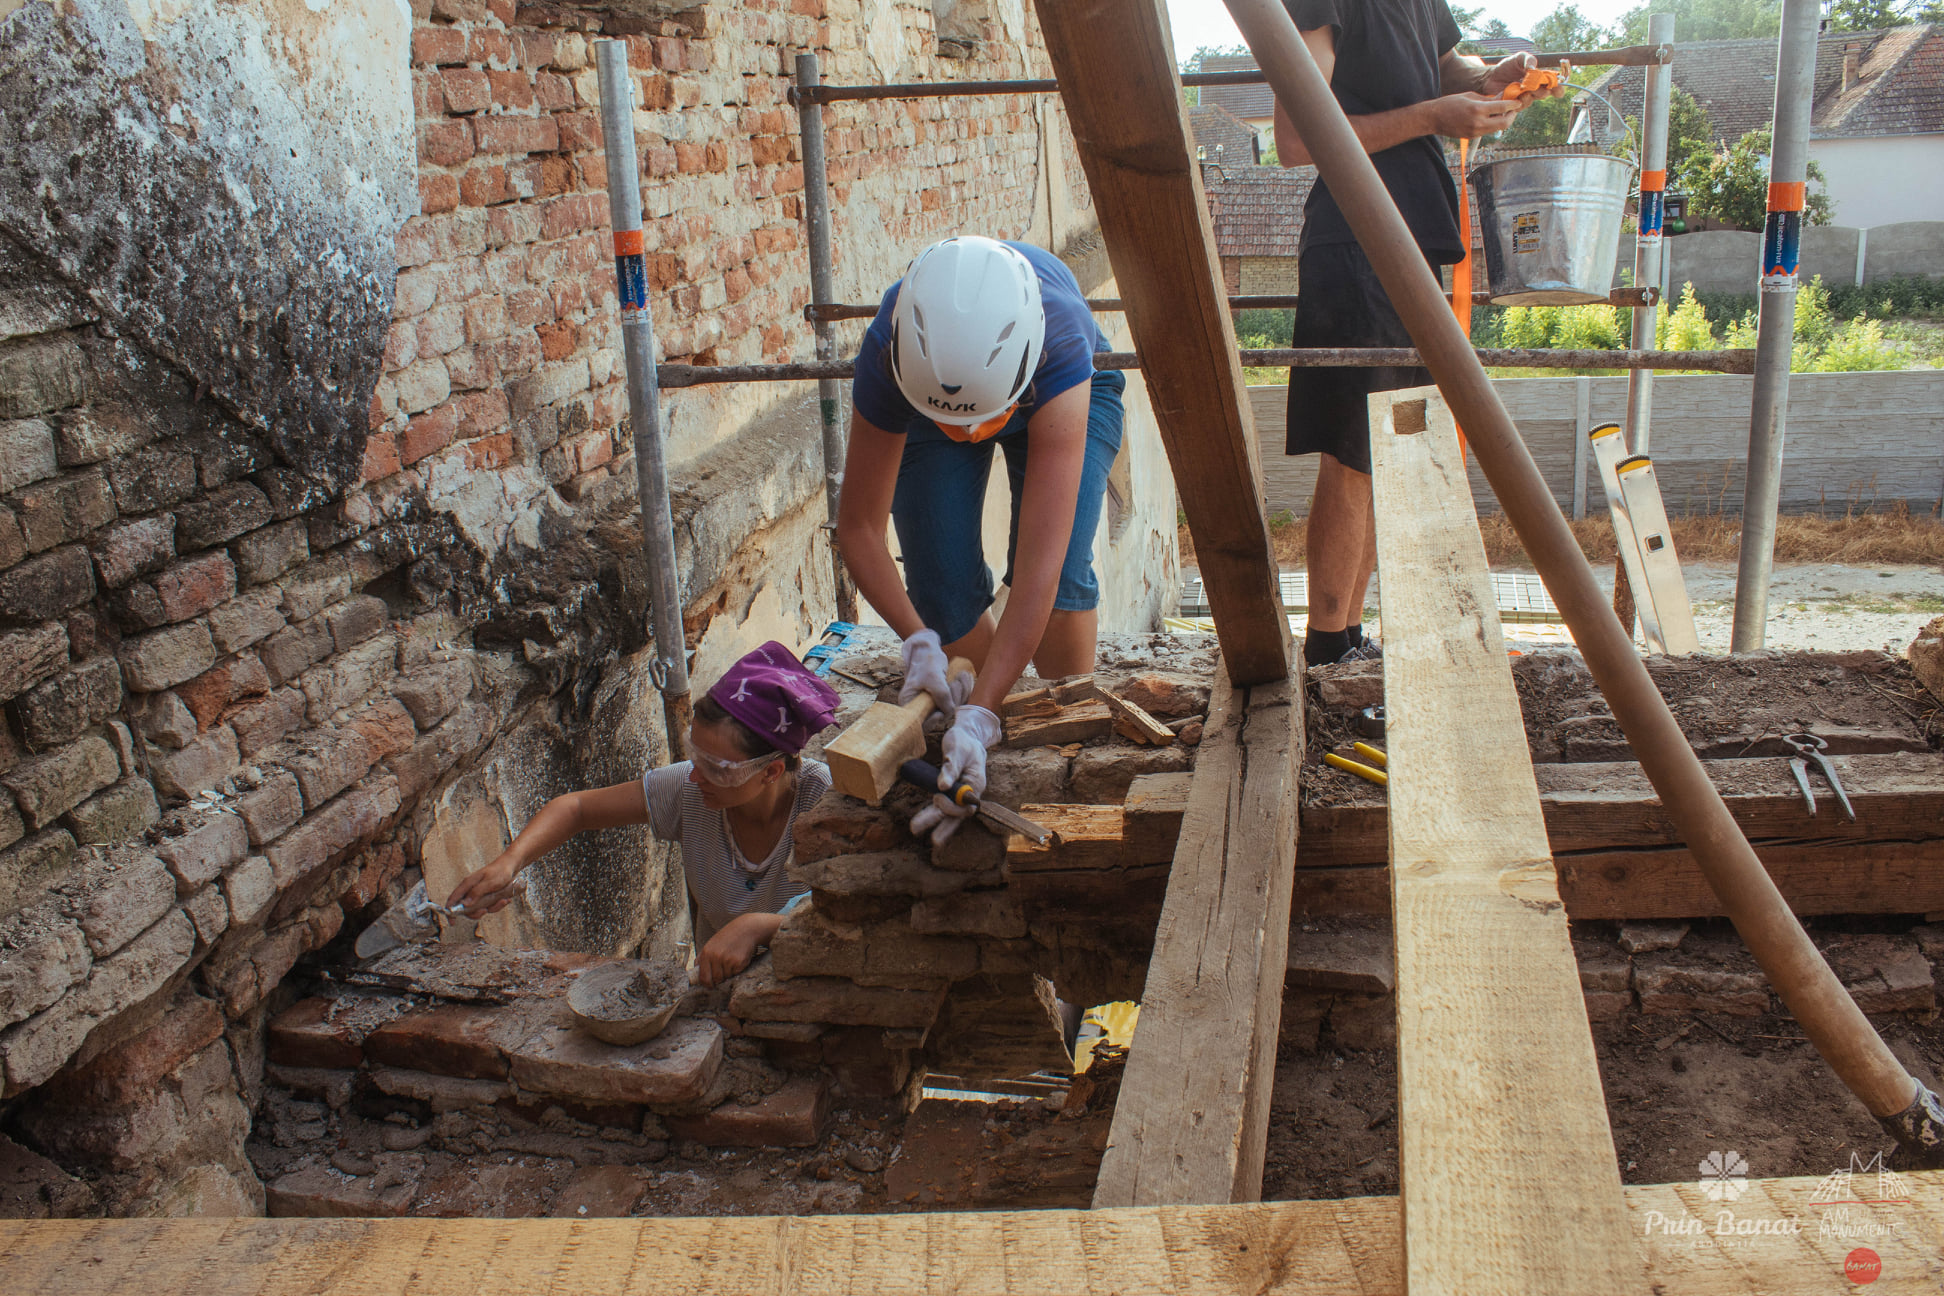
x=1865 y=440
x=1730 y=260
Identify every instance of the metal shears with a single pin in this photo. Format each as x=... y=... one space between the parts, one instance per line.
x=1808 y=747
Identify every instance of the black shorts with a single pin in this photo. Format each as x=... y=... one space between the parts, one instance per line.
x=1340 y=303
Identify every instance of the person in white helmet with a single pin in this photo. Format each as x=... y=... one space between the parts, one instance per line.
x=981 y=345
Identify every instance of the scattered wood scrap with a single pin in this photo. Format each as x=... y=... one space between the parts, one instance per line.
x=1075 y=722
x=1135 y=724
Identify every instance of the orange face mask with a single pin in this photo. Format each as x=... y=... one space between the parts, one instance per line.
x=977 y=432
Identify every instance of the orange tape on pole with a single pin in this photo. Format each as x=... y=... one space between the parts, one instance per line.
x=628 y=242
x=1787 y=197
x=1652 y=180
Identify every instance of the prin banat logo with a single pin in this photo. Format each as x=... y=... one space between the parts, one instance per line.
x=1848 y=1201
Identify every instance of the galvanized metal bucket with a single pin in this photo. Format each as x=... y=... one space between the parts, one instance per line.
x=1551 y=226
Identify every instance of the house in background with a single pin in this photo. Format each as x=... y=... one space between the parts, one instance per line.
x=1877 y=127
x=1253 y=104
x=1222 y=138
x=1258 y=217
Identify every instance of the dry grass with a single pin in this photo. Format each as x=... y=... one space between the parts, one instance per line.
x=1893 y=535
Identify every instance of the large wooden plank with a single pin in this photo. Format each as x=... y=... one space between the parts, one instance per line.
x=1116 y=68
x=1609 y=805
x=1192 y=1121
x=1506 y=1167
x=1299 y=1248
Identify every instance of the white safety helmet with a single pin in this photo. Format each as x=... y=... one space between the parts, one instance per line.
x=967 y=330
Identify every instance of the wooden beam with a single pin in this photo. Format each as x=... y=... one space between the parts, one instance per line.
x=1192 y=1121
x=1153 y=810
x=1134 y=723
x=1506 y=1165
x=1609 y=805
x=1116 y=69
x=1293 y=1248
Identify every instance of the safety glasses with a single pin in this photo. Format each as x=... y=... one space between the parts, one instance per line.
x=978 y=432
x=724 y=773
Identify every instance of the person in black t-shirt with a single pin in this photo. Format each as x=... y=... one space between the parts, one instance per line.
x=1396 y=71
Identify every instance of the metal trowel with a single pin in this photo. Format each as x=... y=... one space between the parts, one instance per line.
x=412 y=921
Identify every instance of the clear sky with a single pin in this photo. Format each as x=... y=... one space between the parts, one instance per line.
x=1206 y=22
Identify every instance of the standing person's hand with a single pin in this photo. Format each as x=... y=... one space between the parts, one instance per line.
x=1468 y=115
x=1512 y=69
x=925 y=665
x=973 y=733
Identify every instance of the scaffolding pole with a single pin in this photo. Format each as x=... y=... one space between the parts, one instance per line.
x=669 y=671
x=830 y=396
x=1795 y=82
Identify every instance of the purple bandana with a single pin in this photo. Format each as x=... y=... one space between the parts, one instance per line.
x=777 y=696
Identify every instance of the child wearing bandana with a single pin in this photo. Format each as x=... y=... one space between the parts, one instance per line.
x=730 y=808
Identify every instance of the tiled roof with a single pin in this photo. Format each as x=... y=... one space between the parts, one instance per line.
x=1244 y=101
x=1503 y=45
x=1257 y=210
x=1223 y=137
x=1899 y=88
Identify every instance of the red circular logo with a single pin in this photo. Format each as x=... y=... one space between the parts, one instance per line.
x=1862 y=1266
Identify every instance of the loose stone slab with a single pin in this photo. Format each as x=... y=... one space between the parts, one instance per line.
x=672 y=1069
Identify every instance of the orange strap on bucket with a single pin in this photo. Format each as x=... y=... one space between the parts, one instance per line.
x=1461 y=274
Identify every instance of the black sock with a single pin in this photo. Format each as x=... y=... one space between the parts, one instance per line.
x=1321 y=647
x=1356 y=634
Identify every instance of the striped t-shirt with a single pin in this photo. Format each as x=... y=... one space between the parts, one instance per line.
x=722 y=884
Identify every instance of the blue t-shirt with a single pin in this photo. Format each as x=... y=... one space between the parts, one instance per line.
x=1066 y=358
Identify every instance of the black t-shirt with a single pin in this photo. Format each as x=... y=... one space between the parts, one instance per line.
x=1387 y=54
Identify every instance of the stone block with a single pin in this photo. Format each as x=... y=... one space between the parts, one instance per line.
x=349 y=678
x=48 y=788
x=134 y=1069
x=674 y=1069
x=115 y=815
x=1352 y=685
x=1641 y=937
x=230 y=681
x=152 y=478
x=250 y=888
x=272 y=807
x=97 y=432
x=974 y=848
x=132 y=549
x=504 y=1190
x=842 y=825
x=188 y=589
x=761 y=995
x=27 y=453
x=201 y=764
x=263 y=723
x=1602 y=966
x=61 y=709
x=47 y=585
x=352 y=817
x=247 y=619
x=314 y=1033
x=449 y=1040
x=886 y=873
x=29 y=656
x=441 y=1093
x=355 y=620
x=40 y=374
x=63 y=510
x=321 y=1192
x=1926 y=655
x=793 y=1116
x=432 y=691
x=886 y=953
x=28 y=868
x=121 y=895
x=12 y=826
x=1608 y=1005
x=267 y=554
x=201 y=854
x=1882 y=973
x=1168 y=695
x=45 y=954
x=327 y=761
x=209 y=912
x=294 y=649
x=33 y=1187
x=1027 y=776
x=221 y=515
x=599 y=1192
x=1674 y=982
x=1101 y=775
x=38 y=1047
x=996 y=915
x=310 y=590
x=168 y=657
x=163 y=718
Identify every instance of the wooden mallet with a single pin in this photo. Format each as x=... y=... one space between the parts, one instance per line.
x=864 y=759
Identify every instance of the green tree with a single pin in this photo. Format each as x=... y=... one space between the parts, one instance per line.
x=1191 y=95
x=1732 y=186
x=1874 y=15
x=1699 y=20
x=1566 y=28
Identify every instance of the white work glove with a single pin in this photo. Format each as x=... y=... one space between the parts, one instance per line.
x=924 y=672
x=973 y=732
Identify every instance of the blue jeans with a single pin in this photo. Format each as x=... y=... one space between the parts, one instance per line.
x=941 y=498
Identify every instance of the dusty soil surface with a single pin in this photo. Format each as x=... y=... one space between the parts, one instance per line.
x=1677 y=1087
